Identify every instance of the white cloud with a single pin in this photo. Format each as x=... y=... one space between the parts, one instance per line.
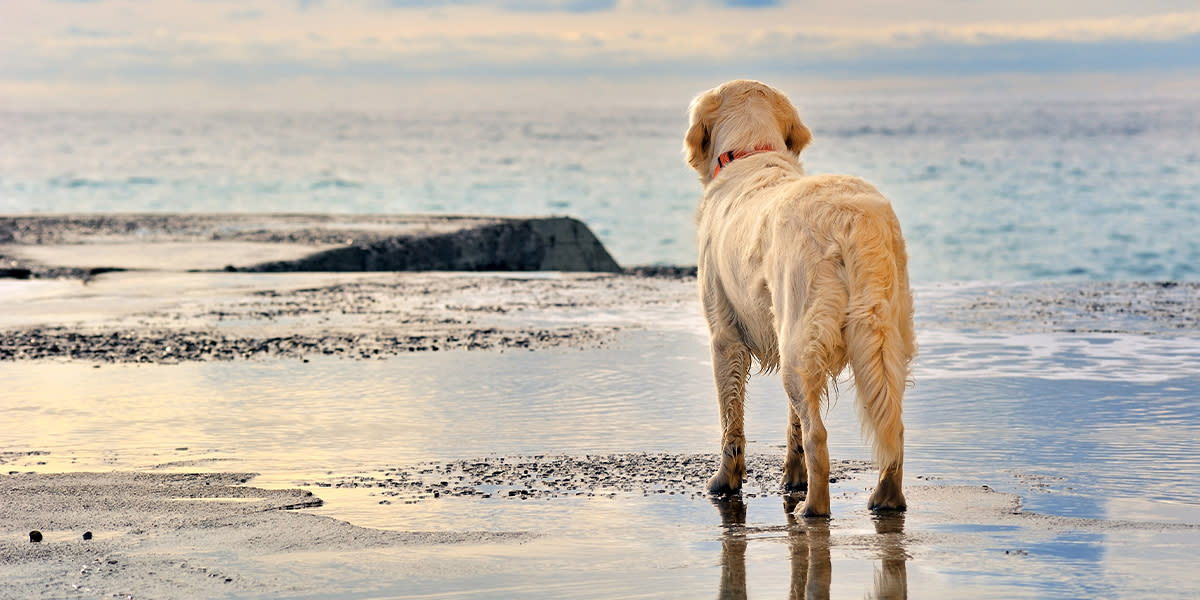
x=124 y=44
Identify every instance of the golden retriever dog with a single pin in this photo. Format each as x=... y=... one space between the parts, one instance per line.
x=806 y=274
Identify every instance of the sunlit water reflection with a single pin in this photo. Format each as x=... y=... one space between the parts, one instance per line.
x=1126 y=424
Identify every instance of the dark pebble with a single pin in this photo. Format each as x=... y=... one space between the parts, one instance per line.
x=35 y=536
x=87 y=535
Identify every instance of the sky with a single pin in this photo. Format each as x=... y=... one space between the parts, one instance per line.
x=351 y=53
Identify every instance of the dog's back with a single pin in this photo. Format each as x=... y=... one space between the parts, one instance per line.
x=824 y=252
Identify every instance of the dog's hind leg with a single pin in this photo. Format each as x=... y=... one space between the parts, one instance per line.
x=731 y=366
x=804 y=394
x=880 y=341
x=812 y=350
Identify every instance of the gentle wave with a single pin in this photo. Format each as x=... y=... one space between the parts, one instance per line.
x=1090 y=357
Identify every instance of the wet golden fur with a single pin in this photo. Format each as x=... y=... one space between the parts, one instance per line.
x=805 y=274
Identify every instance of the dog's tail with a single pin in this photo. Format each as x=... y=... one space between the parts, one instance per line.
x=878 y=329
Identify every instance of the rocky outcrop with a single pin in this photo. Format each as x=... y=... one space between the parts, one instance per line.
x=79 y=245
x=551 y=244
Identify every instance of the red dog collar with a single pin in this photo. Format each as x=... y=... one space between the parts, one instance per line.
x=728 y=157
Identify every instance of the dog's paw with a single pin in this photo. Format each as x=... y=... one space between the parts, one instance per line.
x=816 y=503
x=811 y=511
x=722 y=484
x=887 y=496
x=888 y=505
x=792 y=486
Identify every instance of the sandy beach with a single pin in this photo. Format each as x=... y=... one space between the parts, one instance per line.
x=548 y=434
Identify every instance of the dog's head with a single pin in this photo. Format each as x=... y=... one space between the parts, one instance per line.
x=740 y=115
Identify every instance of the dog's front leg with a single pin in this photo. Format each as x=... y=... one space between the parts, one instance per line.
x=731 y=367
x=795 y=472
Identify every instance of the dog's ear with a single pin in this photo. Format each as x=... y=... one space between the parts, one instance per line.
x=697 y=144
x=795 y=134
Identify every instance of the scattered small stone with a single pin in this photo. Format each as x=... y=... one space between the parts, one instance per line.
x=35 y=536
x=541 y=477
x=87 y=535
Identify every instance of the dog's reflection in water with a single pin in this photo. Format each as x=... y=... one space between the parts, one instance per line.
x=733 y=547
x=808 y=542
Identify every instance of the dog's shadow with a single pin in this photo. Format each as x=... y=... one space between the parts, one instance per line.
x=808 y=542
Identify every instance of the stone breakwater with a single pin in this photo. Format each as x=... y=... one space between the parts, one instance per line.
x=86 y=245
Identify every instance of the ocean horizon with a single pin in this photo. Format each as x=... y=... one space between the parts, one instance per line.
x=988 y=188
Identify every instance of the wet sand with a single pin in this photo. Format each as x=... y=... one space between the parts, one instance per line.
x=156 y=317
x=155 y=535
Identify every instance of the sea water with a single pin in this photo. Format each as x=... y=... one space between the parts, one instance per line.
x=986 y=187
